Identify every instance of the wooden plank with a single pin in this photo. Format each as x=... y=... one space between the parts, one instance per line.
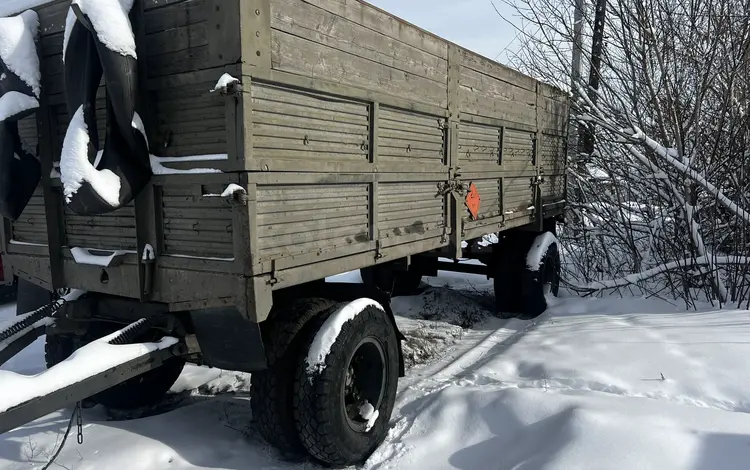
x=477 y=63
x=382 y=22
x=320 y=26
x=223 y=24
x=300 y=56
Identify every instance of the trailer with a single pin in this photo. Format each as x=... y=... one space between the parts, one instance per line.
x=206 y=165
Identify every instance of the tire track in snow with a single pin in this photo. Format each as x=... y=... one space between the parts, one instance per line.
x=418 y=394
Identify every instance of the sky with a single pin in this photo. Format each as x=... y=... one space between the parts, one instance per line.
x=473 y=24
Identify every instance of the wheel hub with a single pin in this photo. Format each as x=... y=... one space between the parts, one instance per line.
x=364 y=382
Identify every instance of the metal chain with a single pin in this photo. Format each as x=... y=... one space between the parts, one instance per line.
x=79 y=422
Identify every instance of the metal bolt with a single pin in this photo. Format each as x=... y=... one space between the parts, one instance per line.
x=257 y=12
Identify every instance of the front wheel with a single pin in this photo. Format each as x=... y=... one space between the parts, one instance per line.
x=345 y=385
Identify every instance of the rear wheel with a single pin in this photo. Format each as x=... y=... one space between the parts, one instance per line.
x=345 y=386
x=144 y=390
x=521 y=290
x=542 y=280
x=508 y=265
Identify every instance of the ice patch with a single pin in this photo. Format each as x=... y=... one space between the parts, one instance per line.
x=18 y=50
x=329 y=332
x=13 y=103
x=224 y=83
x=111 y=23
x=538 y=250
x=75 y=168
x=369 y=413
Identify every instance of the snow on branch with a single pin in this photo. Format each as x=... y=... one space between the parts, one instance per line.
x=663 y=268
x=668 y=156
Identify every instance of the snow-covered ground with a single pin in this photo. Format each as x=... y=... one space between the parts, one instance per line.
x=594 y=383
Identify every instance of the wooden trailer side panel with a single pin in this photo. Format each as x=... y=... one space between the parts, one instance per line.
x=424 y=106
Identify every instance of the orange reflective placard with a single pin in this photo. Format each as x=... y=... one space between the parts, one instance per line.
x=473 y=200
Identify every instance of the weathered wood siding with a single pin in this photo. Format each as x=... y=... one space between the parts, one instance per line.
x=351 y=133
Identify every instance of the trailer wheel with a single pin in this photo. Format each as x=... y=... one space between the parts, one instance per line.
x=508 y=265
x=145 y=390
x=344 y=399
x=538 y=283
x=271 y=390
x=388 y=278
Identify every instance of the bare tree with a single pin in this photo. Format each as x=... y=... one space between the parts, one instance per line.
x=661 y=203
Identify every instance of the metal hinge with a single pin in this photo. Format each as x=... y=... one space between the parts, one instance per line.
x=378 y=249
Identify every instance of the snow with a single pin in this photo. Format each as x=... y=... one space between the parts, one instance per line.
x=326 y=337
x=20 y=243
x=158 y=168
x=12 y=7
x=148 y=253
x=224 y=82
x=70 y=21
x=538 y=250
x=229 y=191
x=18 y=50
x=92 y=359
x=13 y=103
x=111 y=23
x=138 y=125
x=7 y=324
x=76 y=169
x=594 y=383
x=369 y=413
x=84 y=256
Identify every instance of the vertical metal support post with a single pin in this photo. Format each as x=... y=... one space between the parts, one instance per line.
x=453 y=201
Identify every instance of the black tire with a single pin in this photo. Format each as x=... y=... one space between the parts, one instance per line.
x=30 y=297
x=509 y=264
x=272 y=390
x=536 y=284
x=363 y=361
x=391 y=280
x=145 y=390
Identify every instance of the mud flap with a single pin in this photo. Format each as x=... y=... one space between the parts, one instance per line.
x=228 y=340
